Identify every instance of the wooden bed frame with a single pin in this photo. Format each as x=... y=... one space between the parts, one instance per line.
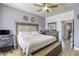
x=22 y=26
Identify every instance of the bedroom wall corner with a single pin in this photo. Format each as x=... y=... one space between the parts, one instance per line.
x=11 y=15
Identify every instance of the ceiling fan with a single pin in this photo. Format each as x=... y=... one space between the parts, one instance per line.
x=46 y=6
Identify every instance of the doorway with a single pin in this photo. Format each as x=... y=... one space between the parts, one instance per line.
x=68 y=33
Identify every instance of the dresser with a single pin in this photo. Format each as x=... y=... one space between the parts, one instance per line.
x=52 y=33
x=6 y=41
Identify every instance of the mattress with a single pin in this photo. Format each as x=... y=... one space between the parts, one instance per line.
x=34 y=42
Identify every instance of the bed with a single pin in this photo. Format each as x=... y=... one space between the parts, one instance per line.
x=29 y=40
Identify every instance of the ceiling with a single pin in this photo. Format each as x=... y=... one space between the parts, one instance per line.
x=29 y=7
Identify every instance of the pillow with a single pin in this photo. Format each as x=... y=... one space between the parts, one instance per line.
x=34 y=32
x=24 y=34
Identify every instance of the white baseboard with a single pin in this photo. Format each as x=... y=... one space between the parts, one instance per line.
x=75 y=48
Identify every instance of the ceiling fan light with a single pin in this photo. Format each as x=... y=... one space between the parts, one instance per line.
x=45 y=8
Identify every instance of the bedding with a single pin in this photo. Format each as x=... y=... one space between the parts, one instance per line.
x=33 y=42
x=24 y=34
x=34 y=32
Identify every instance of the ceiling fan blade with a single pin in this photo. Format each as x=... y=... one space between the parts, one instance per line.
x=52 y=6
x=39 y=10
x=38 y=5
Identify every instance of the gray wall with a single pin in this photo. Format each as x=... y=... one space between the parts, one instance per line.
x=76 y=26
x=9 y=16
x=0 y=17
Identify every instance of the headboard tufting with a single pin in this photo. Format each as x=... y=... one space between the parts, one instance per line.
x=22 y=26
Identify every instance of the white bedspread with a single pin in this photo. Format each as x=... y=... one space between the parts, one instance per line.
x=34 y=42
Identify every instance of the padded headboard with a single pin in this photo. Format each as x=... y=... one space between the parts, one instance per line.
x=22 y=26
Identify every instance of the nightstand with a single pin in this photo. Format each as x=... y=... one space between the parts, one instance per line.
x=6 y=42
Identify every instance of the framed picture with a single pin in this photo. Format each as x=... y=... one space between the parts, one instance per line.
x=52 y=26
x=32 y=19
x=25 y=18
